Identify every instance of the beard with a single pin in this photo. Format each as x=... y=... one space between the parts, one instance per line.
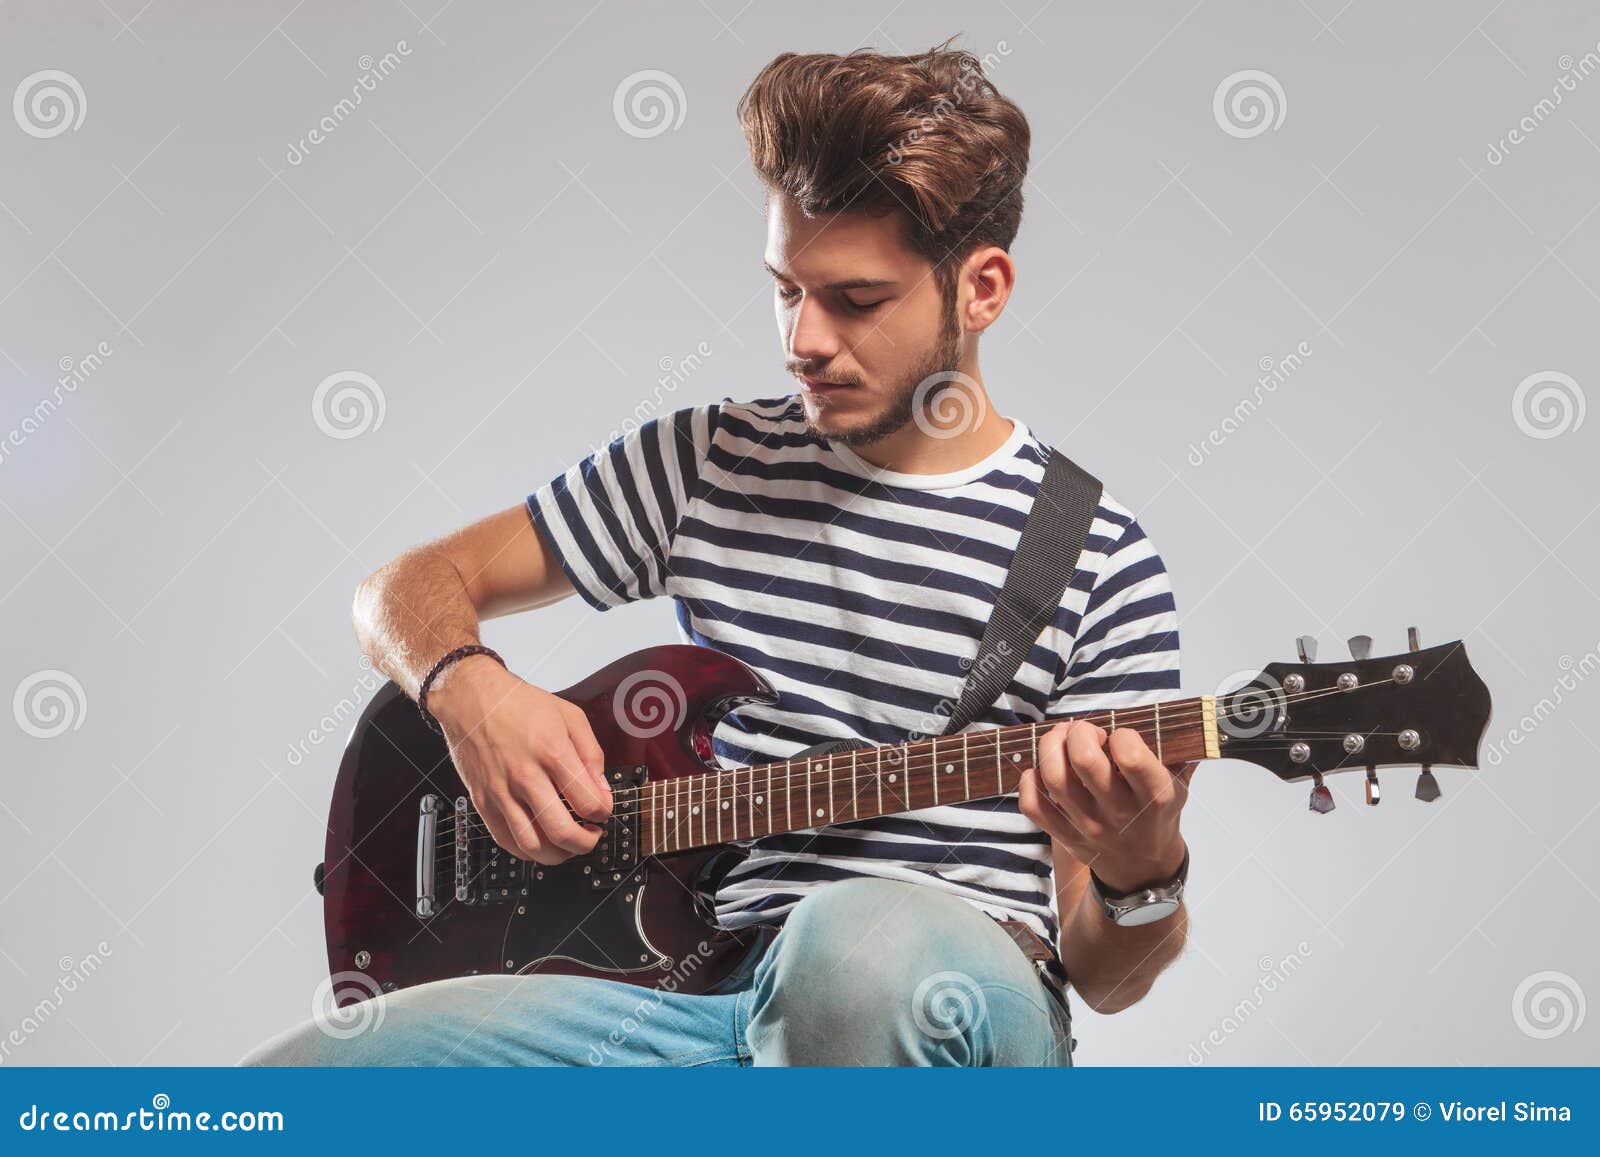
x=942 y=358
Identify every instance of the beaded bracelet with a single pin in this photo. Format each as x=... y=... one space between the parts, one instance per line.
x=433 y=673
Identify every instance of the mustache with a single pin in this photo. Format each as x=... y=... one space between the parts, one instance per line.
x=799 y=371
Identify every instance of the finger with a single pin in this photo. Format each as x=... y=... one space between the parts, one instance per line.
x=1090 y=765
x=1145 y=775
x=511 y=826
x=589 y=798
x=1061 y=821
x=1052 y=760
x=551 y=817
x=1059 y=785
x=1181 y=779
x=587 y=746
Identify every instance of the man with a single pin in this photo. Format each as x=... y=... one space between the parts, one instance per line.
x=848 y=542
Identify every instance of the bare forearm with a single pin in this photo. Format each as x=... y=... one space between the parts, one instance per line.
x=412 y=611
x=1113 y=967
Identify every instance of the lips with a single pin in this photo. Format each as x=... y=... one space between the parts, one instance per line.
x=819 y=386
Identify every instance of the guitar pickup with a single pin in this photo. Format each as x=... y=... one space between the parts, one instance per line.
x=617 y=853
x=484 y=872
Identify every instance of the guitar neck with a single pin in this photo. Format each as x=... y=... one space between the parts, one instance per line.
x=700 y=811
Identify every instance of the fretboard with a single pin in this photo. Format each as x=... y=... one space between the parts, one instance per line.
x=697 y=811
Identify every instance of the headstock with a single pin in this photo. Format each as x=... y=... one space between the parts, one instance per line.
x=1305 y=719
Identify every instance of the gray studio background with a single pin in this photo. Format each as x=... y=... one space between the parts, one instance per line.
x=515 y=263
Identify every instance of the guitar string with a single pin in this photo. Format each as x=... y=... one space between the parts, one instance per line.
x=665 y=828
x=658 y=808
x=915 y=762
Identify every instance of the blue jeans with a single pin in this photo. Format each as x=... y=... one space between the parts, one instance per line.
x=863 y=972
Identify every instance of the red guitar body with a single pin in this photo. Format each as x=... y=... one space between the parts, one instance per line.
x=406 y=902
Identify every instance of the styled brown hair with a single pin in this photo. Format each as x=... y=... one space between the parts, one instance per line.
x=927 y=133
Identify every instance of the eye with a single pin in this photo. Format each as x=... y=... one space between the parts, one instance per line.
x=787 y=293
x=866 y=307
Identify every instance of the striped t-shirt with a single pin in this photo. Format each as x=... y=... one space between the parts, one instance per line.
x=860 y=595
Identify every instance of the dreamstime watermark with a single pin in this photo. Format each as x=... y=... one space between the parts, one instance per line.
x=336 y=721
x=49 y=103
x=160 y=1117
x=1273 y=974
x=674 y=372
x=948 y=1004
x=649 y=703
x=347 y=1004
x=1248 y=103
x=1548 y=1004
x=1548 y=404
x=373 y=72
x=1572 y=71
x=1249 y=704
x=933 y=722
x=73 y=973
x=74 y=373
x=1573 y=674
x=648 y=1004
x=969 y=80
x=1274 y=372
x=49 y=703
x=947 y=404
x=348 y=404
x=648 y=103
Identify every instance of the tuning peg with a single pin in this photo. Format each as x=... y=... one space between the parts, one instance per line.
x=1427 y=786
x=1360 y=647
x=1373 y=794
x=1413 y=639
x=1307 y=646
x=1321 y=797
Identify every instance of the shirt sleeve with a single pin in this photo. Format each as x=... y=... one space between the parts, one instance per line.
x=611 y=518
x=1126 y=650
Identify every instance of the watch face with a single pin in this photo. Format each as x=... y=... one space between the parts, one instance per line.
x=1147 y=913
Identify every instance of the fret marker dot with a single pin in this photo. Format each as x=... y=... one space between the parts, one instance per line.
x=949 y=767
x=1016 y=759
x=694 y=811
x=819 y=813
x=891 y=777
x=758 y=799
x=669 y=813
x=724 y=805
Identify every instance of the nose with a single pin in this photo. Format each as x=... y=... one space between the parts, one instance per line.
x=811 y=335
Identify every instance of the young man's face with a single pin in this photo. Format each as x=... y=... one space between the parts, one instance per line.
x=862 y=321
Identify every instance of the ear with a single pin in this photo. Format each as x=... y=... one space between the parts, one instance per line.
x=984 y=287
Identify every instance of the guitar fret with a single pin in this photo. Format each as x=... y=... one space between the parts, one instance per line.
x=788 y=790
x=880 y=783
x=999 y=764
x=934 y=771
x=855 y=800
x=966 y=763
x=830 y=789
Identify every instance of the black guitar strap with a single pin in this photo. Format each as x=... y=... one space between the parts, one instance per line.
x=1045 y=560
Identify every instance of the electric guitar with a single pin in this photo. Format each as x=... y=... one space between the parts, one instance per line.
x=414 y=889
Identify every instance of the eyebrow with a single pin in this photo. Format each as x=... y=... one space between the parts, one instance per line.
x=851 y=283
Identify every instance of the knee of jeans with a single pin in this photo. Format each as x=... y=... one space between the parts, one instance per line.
x=440 y=1023
x=882 y=971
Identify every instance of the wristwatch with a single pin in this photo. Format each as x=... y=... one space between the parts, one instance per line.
x=1142 y=905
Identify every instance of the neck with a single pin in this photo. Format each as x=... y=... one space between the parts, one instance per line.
x=698 y=811
x=973 y=431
